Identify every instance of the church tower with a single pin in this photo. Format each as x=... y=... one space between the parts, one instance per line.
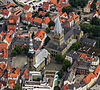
x=58 y=33
x=31 y=55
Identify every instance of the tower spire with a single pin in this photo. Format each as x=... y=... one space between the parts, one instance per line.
x=31 y=45
x=58 y=27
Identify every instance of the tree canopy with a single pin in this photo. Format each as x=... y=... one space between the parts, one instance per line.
x=65 y=65
x=75 y=46
x=67 y=9
x=57 y=88
x=25 y=50
x=93 y=6
x=59 y=58
x=76 y=3
x=51 y=23
x=17 y=87
x=92 y=30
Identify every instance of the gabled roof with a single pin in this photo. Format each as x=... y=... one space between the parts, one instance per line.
x=46 y=20
x=12 y=18
x=97 y=70
x=65 y=87
x=11 y=27
x=53 y=1
x=40 y=34
x=10 y=5
x=38 y=20
x=58 y=27
x=11 y=83
x=27 y=7
x=2 y=66
x=88 y=78
x=45 y=5
x=29 y=14
x=4 y=12
x=42 y=13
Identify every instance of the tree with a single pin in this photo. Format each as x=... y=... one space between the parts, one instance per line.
x=95 y=21
x=46 y=40
x=51 y=23
x=47 y=14
x=17 y=87
x=93 y=6
x=18 y=49
x=59 y=58
x=25 y=50
x=33 y=7
x=65 y=65
x=67 y=9
x=40 y=9
x=75 y=46
x=57 y=88
x=76 y=3
x=60 y=73
x=13 y=53
x=48 y=29
x=30 y=25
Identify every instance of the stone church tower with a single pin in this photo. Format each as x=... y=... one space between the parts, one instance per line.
x=30 y=56
x=58 y=33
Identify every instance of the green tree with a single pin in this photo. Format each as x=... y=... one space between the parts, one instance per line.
x=95 y=21
x=13 y=53
x=47 y=14
x=18 y=49
x=60 y=73
x=33 y=7
x=67 y=9
x=17 y=87
x=76 y=3
x=59 y=58
x=93 y=6
x=30 y=25
x=75 y=46
x=65 y=65
x=48 y=29
x=46 y=40
x=57 y=88
x=51 y=23
x=25 y=50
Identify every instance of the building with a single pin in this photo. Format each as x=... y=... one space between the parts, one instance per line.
x=60 y=43
x=88 y=7
x=27 y=8
x=50 y=79
x=37 y=60
x=5 y=13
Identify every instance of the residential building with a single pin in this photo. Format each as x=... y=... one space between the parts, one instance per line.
x=27 y=8
x=4 y=13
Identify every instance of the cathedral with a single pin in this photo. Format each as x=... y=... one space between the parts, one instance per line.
x=60 y=42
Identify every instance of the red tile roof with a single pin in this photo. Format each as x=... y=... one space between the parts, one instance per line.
x=38 y=20
x=42 y=13
x=11 y=27
x=13 y=18
x=65 y=87
x=4 y=12
x=11 y=83
x=40 y=34
x=45 y=5
x=29 y=14
x=10 y=5
x=27 y=7
x=53 y=1
x=46 y=20
x=88 y=78
x=97 y=70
